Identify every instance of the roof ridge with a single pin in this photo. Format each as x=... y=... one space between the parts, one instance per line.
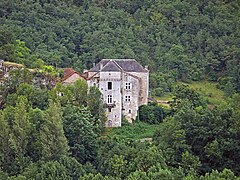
x=69 y=74
x=118 y=59
x=109 y=64
x=126 y=65
x=118 y=65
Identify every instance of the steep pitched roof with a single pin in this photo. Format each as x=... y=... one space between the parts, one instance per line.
x=128 y=65
x=67 y=72
x=111 y=66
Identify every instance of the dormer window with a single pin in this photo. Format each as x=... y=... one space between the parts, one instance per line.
x=128 y=85
x=109 y=85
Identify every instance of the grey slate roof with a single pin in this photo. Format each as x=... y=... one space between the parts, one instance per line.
x=127 y=65
x=111 y=66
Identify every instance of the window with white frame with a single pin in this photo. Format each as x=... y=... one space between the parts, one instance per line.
x=127 y=98
x=109 y=99
x=128 y=85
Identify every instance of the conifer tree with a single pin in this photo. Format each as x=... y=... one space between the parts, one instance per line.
x=54 y=142
x=96 y=107
x=4 y=142
x=21 y=127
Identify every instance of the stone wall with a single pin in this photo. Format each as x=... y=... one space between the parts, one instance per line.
x=72 y=79
x=130 y=88
x=113 y=110
x=125 y=101
x=144 y=86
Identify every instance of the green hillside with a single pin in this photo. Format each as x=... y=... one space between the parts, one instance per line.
x=189 y=130
x=190 y=40
x=209 y=90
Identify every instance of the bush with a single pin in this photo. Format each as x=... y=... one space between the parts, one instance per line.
x=152 y=114
x=159 y=92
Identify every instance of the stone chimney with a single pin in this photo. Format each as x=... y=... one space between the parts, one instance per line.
x=101 y=66
x=94 y=64
x=146 y=67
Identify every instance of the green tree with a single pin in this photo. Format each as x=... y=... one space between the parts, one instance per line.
x=5 y=147
x=81 y=132
x=37 y=119
x=22 y=53
x=170 y=138
x=95 y=104
x=225 y=174
x=80 y=92
x=21 y=128
x=53 y=140
x=16 y=77
x=138 y=175
x=184 y=93
x=52 y=170
x=74 y=169
x=152 y=113
x=190 y=164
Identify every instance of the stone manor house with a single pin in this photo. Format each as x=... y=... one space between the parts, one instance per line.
x=122 y=82
x=124 y=86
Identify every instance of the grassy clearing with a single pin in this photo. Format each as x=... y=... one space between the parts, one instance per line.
x=134 y=131
x=162 y=101
x=209 y=90
x=165 y=97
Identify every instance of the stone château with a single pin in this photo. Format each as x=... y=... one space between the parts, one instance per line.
x=124 y=84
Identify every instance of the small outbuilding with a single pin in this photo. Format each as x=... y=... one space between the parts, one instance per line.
x=70 y=76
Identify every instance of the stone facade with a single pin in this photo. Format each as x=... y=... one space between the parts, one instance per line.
x=124 y=86
x=70 y=76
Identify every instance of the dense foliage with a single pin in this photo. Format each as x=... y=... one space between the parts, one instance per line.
x=190 y=40
x=57 y=132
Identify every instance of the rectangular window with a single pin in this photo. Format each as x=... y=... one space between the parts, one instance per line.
x=128 y=85
x=109 y=85
x=109 y=99
x=127 y=98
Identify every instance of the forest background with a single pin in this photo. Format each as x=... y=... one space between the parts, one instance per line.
x=180 y=41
